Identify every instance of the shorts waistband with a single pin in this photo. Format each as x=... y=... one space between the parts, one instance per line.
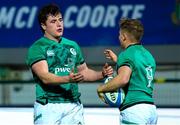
x=46 y=101
x=145 y=102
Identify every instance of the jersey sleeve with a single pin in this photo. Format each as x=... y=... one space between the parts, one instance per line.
x=80 y=58
x=34 y=55
x=124 y=60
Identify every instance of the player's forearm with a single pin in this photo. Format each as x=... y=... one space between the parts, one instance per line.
x=112 y=85
x=92 y=75
x=49 y=78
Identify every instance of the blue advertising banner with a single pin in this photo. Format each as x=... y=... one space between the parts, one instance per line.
x=90 y=23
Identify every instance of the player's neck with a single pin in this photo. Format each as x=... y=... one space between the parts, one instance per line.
x=52 y=38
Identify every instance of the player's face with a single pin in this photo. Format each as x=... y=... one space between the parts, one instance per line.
x=54 y=26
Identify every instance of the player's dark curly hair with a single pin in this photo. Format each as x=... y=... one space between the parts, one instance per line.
x=132 y=26
x=45 y=11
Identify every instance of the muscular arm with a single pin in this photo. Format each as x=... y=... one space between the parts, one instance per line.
x=41 y=70
x=119 y=81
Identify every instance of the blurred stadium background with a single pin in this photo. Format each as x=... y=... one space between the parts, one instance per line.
x=94 y=25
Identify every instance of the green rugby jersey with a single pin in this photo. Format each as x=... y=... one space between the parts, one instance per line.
x=143 y=66
x=61 y=58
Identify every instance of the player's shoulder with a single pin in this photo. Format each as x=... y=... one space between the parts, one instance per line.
x=43 y=41
x=69 y=41
x=38 y=45
x=132 y=51
x=38 y=42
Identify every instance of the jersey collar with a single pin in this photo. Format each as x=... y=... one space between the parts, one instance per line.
x=133 y=44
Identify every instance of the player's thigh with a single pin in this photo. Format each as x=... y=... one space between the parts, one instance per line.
x=46 y=114
x=74 y=115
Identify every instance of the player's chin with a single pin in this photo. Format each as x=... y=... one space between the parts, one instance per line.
x=59 y=34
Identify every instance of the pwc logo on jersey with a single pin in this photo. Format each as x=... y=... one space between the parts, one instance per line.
x=63 y=69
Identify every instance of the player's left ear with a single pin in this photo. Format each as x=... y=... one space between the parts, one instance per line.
x=43 y=26
x=123 y=36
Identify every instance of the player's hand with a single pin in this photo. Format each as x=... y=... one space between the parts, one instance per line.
x=101 y=95
x=110 y=55
x=107 y=70
x=75 y=77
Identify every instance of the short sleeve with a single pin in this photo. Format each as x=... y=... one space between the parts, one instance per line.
x=80 y=58
x=124 y=60
x=34 y=55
